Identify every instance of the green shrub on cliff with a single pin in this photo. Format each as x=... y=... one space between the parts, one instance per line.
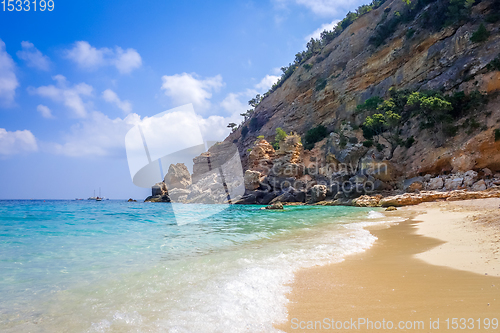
x=280 y=136
x=435 y=109
x=307 y=66
x=314 y=135
x=409 y=142
x=244 y=131
x=480 y=35
x=321 y=84
x=494 y=65
x=457 y=11
x=342 y=141
x=493 y=18
x=384 y=125
x=371 y=104
x=497 y=134
x=254 y=125
x=368 y=143
x=463 y=104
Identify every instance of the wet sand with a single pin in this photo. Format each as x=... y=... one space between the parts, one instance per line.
x=409 y=276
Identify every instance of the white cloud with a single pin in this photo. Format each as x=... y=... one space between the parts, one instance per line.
x=266 y=83
x=331 y=8
x=276 y=71
x=33 y=57
x=188 y=88
x=317 y=33
x=233 y=105
x=88 y=57
x=96 y=136
x=127 y=61
x=70 y=96
x=111 y=97
x=17 y=142
x=214 y=128
x=8 y=79
x=101 y=136
x=44 y=111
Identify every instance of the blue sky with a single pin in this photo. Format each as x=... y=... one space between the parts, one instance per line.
x=73 y=81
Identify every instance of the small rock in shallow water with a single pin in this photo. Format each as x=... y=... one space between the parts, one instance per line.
x=391 y=208
x=276 y=205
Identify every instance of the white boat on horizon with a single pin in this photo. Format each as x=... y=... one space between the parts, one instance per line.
x=99 y=198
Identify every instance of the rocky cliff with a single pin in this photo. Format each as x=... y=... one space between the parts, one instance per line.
x=442 y=61
x=402 y=96
x=327 y=88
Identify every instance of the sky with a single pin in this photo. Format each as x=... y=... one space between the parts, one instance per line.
x=75 y=80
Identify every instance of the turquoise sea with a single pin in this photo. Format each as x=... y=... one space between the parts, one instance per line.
x=115 y=266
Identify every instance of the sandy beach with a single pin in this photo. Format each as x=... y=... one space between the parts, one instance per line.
x=437 y=271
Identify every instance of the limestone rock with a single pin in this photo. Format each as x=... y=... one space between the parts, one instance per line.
x=290 y=195
x=178 y=194
x=413 y=184
x=318 y=193
x=470 y=178
x=391 y=209
x=261 y=157
x=275 y=206
x=157 y=198
x=252 y=180
x=178 y=176
x=435 y=184
x=367 y=201
x=479 y=186
x=451 y=184
x=159 y=193
x=159 y=189
x=385 y=171
x=350 y=155
x=292 y=149
x=288 y=162
x=409 y=199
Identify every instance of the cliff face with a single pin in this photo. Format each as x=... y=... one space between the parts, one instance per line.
x=326 y=89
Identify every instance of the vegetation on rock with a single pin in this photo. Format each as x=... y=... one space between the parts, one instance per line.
x=480 y=35
x=314 y=135
x=280 y=136
x=244 y=131
x=494 y=65
x=434 y=110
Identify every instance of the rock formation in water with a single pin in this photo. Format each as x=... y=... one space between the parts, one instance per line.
x=178 y=176
x=159 y=193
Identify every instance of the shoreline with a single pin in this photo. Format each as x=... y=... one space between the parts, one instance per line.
x=407 y=275
x=471 y=231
